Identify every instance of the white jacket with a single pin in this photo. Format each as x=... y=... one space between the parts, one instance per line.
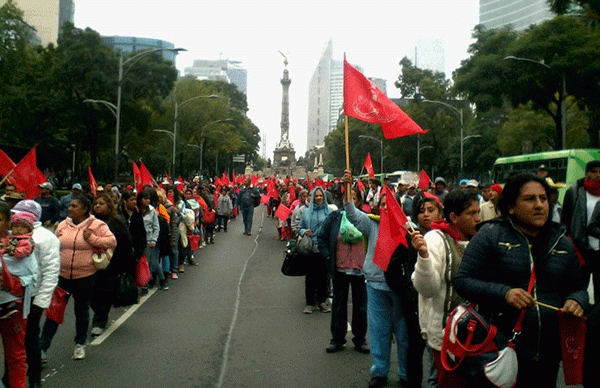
x=47 y=253
x=430 y=282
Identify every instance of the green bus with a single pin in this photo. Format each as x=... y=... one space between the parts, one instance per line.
x=566 y=166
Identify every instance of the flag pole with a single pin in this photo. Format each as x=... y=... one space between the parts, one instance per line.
x=349 y=185
x=6 y=177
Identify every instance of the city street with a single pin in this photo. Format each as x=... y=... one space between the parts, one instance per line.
x=232 y=321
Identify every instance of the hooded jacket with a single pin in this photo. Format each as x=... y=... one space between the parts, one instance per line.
x=499 y=258
x=75 y=252
x=314 y=216
x=47 y=253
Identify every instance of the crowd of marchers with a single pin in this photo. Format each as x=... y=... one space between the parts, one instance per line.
x=51 y=244
x=470 y=243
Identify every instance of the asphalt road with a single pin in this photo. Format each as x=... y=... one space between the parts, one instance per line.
x=232 y=321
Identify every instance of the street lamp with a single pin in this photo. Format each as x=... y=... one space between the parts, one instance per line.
x=560 y=102
x=202 y=138
x=132 y=61
x=381 y=144
x=460 y=116
x=419 y=149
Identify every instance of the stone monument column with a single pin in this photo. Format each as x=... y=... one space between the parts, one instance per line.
x=284 y=158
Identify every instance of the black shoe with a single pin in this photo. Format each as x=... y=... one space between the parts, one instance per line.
x=377 y=382
x=363 y=348
x=334 y=347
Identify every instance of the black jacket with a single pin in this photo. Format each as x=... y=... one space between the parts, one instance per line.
x=498 y=258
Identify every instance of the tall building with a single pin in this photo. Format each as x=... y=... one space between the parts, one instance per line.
x=325 y=97
x=46 y=16
x=518 y=13
x=220 y=70
x=130 y=44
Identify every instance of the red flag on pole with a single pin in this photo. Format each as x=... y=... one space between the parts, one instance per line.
x=26 y=177
x=93 y=183
x=572 y=340
x=369 y=165
x=309 y=184
x=6 y=164
x=168 y=178
x=360 y=186
x=392 y=231
x=225 y=179
x=282 y=212
x=424 y=181
x=364 y=101
x=137 y=177
x=147 y=178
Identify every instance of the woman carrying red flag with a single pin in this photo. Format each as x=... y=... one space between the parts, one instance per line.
x=496 y=268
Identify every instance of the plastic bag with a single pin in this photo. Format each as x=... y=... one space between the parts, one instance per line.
x=305 y=245
x=58 y=305
x=142 y=272
x=348 y=232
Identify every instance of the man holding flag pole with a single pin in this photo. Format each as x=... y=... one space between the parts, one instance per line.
x=364 y=101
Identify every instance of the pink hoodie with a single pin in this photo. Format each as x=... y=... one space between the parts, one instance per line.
x=75 y=252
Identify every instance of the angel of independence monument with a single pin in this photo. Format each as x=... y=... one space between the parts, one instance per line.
x=284 y=158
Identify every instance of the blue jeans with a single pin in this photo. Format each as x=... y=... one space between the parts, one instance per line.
x=385 y=318
x=247 y=214
x=152 y=254
x=81 y=289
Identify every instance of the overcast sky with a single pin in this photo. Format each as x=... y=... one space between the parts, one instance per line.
x=375 y=35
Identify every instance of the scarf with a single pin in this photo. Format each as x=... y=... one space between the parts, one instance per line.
x=444 y=226
x=592 y=187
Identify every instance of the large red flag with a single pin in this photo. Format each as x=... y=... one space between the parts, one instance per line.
x=424 y=181
x=364 y=101
x=309 y=184
x=147 y=178
x=26 y=177
x=93 y=183
x=392 y=231
x=282 y=212
x=137 y=177
x=225 y=179
x=369 y=165
x=6 y=164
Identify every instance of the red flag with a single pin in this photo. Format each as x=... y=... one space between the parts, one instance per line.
x=6 y=164
x=292 y=194
x=364 y=101
x=392 y=231
x=369 y=165
x=282 y=212
x=264 y=199
x=424 y=181
x=137 y=177
x=146 y=176
x=319 y=182
x=360 y=185
x=572 y=340
x=225 y=179
x=254 y=180
x=26 y=177
x=93 y=183
x=309 y=184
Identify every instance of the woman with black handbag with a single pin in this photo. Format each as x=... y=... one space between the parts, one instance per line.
x=497 y=266
x=122 y=264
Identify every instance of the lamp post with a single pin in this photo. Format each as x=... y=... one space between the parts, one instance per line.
x=200 y=148
x=202 y=138
x=381 y=144
x=460 y=117
x=419 y=149
x=561 y=126
x=132 y=61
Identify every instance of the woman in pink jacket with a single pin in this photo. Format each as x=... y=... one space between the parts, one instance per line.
x=80 y=235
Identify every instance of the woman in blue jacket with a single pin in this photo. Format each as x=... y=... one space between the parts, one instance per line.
x=313 y=218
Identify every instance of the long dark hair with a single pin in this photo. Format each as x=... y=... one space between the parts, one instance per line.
x=141 y=195
x=512 y=190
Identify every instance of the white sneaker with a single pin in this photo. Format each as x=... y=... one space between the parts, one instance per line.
x=97 y=330
x=79 y=352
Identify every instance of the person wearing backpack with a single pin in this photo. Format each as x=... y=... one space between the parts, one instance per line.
x=345 y=257
x=497 y=267
x=440 y=252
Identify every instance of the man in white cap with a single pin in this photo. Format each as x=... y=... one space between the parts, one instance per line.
x=76 y=191
x=50 y=206
x=47 y=253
